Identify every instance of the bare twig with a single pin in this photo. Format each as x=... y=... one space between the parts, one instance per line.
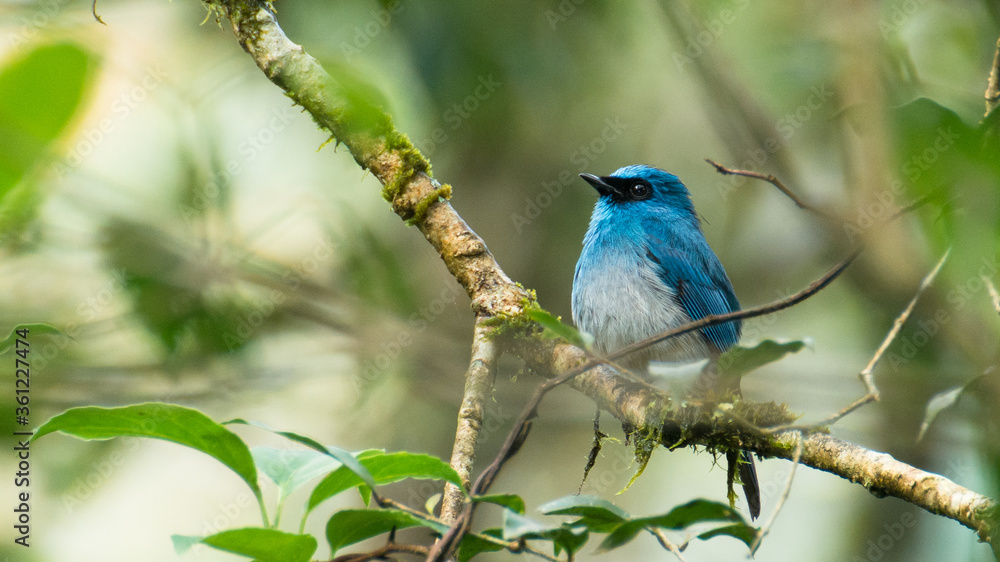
x=872 y=393
x=478 y=383
x=993 y=84
x=383 y=552
x=773 y=181
x=766 y=527
x=994 y=295
x=665 y=542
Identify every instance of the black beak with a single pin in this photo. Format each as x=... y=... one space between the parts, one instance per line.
x=601 y=185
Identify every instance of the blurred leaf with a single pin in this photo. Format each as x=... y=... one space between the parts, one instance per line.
x=349 y=526
x=680 y=517
x=347 y=460
x=555 y=327
x=378 y=272
x=33 y=330
x=563 y=536
x=366 y=105
x=932 y=148
x=39 y=94
x=169 y=422
x=940 y=402
x=385 y=469
x=171 y=295
x=597 y=514
x=738 y=360
x=263 y=545
x=512 y=502
x=183 y=543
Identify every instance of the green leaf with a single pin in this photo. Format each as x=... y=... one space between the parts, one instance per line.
x=291 y=469
x=36 y=329
x=512 y=502
x=39 y=94
x=740 y=531
x=263 y=545
x=349 y=526
x=516 y=526
x=564 y=536
x=385 y=469
x=169 y=422
x=554 y=327
x=680 y=517
x=346 y=458
x=739 y=361
x=473 y=544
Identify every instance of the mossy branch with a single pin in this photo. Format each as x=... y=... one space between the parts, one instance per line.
x=368 y=132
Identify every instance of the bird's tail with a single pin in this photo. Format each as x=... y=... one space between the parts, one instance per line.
x=751 y=489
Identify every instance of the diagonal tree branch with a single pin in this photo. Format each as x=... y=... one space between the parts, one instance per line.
x=417 y=198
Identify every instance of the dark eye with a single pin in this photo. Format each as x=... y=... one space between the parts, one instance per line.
x=639 y=191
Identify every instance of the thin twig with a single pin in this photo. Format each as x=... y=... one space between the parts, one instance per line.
x=766 y=527
x=713 y=319
x=382 y=552
x=993 y=84
x=773 y=181
x=661 y=537
x=994 y=295
x=871 y=390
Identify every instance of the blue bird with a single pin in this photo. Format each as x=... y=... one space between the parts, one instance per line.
x=646 y=268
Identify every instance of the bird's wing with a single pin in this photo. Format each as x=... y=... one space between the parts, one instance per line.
x=692 y=269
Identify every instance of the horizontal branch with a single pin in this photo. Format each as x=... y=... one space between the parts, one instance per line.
x=640 y=405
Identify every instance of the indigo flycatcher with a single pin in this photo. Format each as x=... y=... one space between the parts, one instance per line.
x=646 y=268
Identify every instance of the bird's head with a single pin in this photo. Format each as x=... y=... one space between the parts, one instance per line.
x=642 y=188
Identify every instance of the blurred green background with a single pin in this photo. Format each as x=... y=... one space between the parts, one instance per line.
x=167 y=207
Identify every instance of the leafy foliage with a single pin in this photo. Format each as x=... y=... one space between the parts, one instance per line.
x=291 y=469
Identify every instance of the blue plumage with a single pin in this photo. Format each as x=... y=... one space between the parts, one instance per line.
x=646 y=268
